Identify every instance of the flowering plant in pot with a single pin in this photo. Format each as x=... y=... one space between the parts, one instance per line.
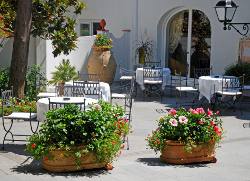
x=191 y=129
x=98 y=131
x=101 y=42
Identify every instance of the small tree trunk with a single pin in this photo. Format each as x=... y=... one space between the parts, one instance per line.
x=20 y=52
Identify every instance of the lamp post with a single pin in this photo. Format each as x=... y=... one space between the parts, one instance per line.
x=225 y=10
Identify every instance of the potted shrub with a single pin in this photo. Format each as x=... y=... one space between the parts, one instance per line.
x=71 y=139
x=65 y=72
x=187 y=136
x=102 y=60
x=102 y=43
x=144 y=50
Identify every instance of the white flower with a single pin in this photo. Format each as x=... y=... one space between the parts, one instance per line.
x=97 y=106
x=183 y=119
x=173 y=122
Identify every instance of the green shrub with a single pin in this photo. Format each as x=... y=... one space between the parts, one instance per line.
x=30 y=85
x=4 y=78
x=238 y=69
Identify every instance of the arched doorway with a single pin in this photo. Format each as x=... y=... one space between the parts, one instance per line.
x=188 y=41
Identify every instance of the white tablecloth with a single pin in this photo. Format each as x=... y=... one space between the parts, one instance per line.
x=139 y=77
x=43 y=104
x=208 y=85
x=104 y=88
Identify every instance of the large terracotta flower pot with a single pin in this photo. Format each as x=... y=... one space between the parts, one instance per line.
x=175 y=153
x=104 y=62
x=69 y=164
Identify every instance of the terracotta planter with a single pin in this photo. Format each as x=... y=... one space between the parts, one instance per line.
x=69 y=164
x=104 y=62
x=175 y=153
x=61 y=91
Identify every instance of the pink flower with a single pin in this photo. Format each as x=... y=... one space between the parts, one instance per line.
x=172 y=111
x=200 y=110
x=201 y=122
x=192 y=111
x=173 y=122
x=217 y=130
x=212 y=123
x=97 y=106
x=209 y=112
x=183 y=119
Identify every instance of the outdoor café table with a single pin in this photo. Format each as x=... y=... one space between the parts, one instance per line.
x=104 y=88
x=208 y=85
x=166 y=77
x=43 y=104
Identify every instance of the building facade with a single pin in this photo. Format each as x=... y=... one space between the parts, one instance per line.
x=185 y=32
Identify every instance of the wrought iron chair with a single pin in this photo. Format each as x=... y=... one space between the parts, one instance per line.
x=39 y=87
x=127 y=75
x=69 y=91
x=8 y=103
x=182 y=87
x=126 y=95
x=152 y=64
x=152 y=80
x=198 y=72
x=91 y=89
x=88 y=77
x=60 y=104
x=231 y=92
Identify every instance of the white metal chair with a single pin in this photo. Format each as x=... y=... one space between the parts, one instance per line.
x=152 y=80
x=231 y=92
x=182 y=87
x=8 y=102
x=127 y=75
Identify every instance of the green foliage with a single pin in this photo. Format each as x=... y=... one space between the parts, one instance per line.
x=101 y=41
x=238 y=69
x=100 y=128
x=65 y=72
x=4 y=78
x=192 y=127
x=48 y=21
x=30 y=85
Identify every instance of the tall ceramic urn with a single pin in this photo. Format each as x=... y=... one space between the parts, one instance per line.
x=103 y=61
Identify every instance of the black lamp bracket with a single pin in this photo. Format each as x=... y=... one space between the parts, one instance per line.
x=245 y=27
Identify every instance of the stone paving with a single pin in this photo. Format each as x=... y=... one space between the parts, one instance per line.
x=139 y=163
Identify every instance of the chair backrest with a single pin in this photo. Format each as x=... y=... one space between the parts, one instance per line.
x=89 y=88
x=152 y=64
x=125 y=72
x=57 y=104
x=233 y=83
x=198 y=72
x=89 y=77
x=7 y=99
x=152 y=74
x=69 y=91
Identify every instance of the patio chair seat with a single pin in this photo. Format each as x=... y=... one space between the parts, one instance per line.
x=229 y=93
x=21 y=115
x=127 y=77
x=186 y=89
x=46 y=94
x=152 y=82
